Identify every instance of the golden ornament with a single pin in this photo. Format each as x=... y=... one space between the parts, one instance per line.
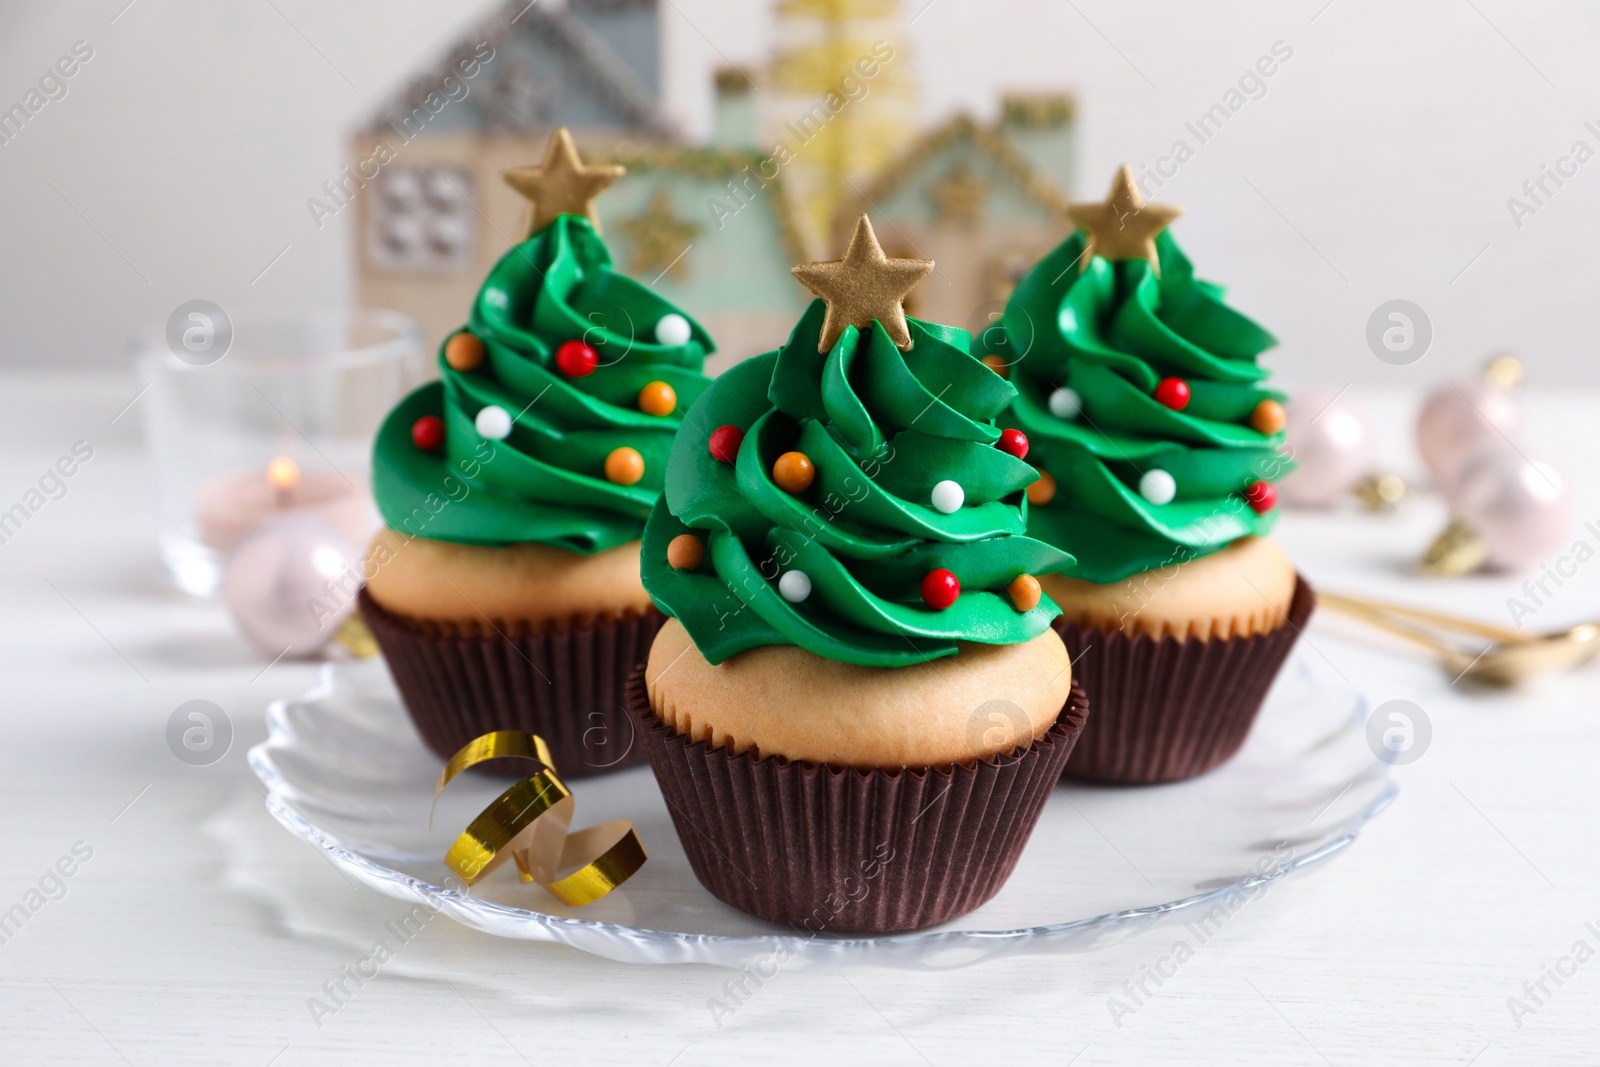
x=658 y=239
x=1382 y=492
x=562 y=185
x=1124 y=226
x=1458 y=550
x=1504 y=371
x=864 y=285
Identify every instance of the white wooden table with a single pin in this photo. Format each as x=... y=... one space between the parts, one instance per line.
x=197 y=929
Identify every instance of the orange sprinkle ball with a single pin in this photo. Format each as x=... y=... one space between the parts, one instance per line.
x=658 y=398
x=686 y=552
x=464 y=351
x=794 y=472
x=1024 y=592
x=1042 y=491
x=624 y=466
x=997 y=364
x=1268 y=417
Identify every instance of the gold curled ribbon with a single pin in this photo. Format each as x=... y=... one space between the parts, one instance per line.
x=528 y=822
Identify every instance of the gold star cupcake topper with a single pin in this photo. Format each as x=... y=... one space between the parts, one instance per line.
x=1124 y=226
x=562 y=185
x=864 y=285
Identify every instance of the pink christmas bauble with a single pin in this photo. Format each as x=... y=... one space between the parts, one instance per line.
x=1520 y=505
x=1458 y=420
x=289 y=583
x=1331 y=444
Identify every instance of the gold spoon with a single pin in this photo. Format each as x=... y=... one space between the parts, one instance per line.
x=1509 y=657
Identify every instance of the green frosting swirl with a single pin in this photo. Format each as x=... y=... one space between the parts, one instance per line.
x=1110 y=333
x=546 y=481
x=881 y=427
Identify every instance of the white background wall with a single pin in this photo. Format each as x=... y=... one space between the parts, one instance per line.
x=1377 y=165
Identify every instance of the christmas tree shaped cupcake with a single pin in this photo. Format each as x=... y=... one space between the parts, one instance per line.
x=1157 y=444
x=858 y=707
x=504 y=589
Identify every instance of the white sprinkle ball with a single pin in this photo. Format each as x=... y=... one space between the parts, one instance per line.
x=1158 y=487
x=795 y=586
x=1065 y=403
x=672 y=330
x=493 y=422
x=948 y=496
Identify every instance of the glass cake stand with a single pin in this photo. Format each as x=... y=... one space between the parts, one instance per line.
x=345 y=772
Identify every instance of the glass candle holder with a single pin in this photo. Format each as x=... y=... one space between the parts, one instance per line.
x=262 y=417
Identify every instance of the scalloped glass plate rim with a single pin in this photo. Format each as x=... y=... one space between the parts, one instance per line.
x=902 y=951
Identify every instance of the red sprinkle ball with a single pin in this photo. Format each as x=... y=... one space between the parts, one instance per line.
x=1261 y=496
x=940 y=589
x=427 y=433
x=1014 y=443
x=1173 y=392
x=725 y=442
x=577 y=359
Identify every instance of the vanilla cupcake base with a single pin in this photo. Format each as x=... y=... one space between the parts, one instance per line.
x=824 y=849
x=488 y=586
x=518 y=637
x=1242 y=590
x=564 y=684
x=1167 y=709
x=782 y=700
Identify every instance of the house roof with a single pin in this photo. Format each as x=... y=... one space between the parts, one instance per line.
x=992 y=144
x=593 y=59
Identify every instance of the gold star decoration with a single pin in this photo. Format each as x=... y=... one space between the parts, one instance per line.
x=1124 y=227
x=562 y=185
x=658 y=239
x=958 y=196
x=864 y=285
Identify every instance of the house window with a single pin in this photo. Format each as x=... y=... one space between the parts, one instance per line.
x=421 y=220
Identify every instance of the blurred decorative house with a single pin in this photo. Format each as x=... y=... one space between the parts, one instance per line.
x=984 y=203
x=798 y=151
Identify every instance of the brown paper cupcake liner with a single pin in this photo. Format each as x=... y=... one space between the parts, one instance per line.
x=828 y=849
x=1168 y=709
x=564 y=683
